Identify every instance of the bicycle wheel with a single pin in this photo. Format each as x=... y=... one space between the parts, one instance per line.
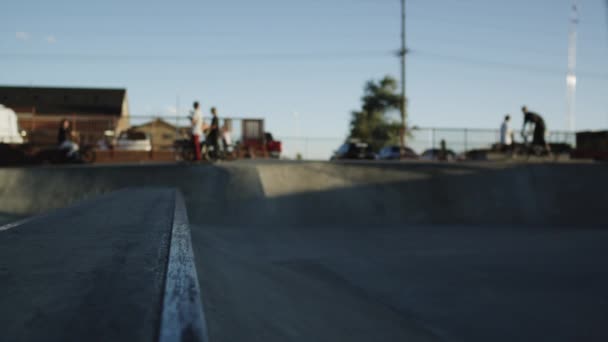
x=88 y=156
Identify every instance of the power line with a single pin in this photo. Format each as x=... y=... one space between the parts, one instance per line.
x=415 y=54
x=199 y=59
x=484 y=63
x=200 y=34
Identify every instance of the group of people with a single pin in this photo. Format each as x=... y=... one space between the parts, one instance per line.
x=530 y=118
x=212 y=131
x=66 y=141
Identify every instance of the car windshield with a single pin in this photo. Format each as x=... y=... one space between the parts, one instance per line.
x=133 y=135
x=343 y=149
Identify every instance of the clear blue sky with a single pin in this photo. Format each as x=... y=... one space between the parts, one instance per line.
x=472 y=61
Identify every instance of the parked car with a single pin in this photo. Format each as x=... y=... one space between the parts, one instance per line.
x=354 y=150
x=132 y=140
x=433 y=154
x=394 y=153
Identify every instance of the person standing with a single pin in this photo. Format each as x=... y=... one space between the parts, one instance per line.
x=506 y=134
x=214 y=132
x=443 y=151
x=196 y=119
x=226 y=138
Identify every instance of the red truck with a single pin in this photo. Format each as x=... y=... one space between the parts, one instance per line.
x=255 y=142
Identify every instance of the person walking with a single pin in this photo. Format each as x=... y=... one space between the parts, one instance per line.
x=196 y=120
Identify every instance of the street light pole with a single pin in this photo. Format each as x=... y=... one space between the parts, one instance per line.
x=402 y=54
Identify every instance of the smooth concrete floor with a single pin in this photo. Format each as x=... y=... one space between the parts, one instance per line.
x=91 y=272
x=380 y=283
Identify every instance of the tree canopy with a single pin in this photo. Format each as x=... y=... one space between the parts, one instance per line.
x=372 y=123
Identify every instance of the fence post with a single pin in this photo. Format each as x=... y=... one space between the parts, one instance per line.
x=176 y=133
x=33 y=122
x=466 y=138
x=306 y=148
x=433 y=137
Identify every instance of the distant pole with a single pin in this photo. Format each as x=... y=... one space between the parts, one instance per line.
x=571 y=76
x=402 y=54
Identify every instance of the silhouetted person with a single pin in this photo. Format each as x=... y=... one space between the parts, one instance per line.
x=196 y=120
x=506 y=134
x=538 y=137
x=443 y=151
x=214 y=132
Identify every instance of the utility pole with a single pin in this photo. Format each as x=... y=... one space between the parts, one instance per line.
x=177 y=135
x=402 y=53
x=607 y=27
x=571 y=76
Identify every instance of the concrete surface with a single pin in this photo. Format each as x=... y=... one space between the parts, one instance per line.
x=319 y=193
x=8 y=218
x=391 y=283
x=93 y=272
x=377 y=251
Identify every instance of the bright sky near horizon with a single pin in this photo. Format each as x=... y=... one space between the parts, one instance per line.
x=471 y=61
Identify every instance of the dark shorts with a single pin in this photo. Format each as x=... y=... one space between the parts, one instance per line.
x=539 y=135
x=212 y=139
x=506 y=148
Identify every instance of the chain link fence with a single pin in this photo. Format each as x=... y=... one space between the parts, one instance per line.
x=459 y=140
x=164 y=130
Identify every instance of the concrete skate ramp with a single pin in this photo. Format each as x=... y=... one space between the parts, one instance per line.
x=263 y=193
x=375 y=251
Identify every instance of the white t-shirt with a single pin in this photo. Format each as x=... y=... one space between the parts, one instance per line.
x=506 y=134
x=197 y=122
x=227 y=137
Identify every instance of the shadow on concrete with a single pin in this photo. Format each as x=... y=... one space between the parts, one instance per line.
x=531 y=194
x=294 y=194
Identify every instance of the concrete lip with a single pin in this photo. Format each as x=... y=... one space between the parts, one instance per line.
x=111 y=268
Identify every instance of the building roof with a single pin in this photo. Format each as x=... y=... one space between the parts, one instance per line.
x=64 y=101
x=159 y=122
x=155 y=123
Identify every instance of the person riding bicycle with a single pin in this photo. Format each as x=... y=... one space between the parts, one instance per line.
x=65 y=139
x=538 y=137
